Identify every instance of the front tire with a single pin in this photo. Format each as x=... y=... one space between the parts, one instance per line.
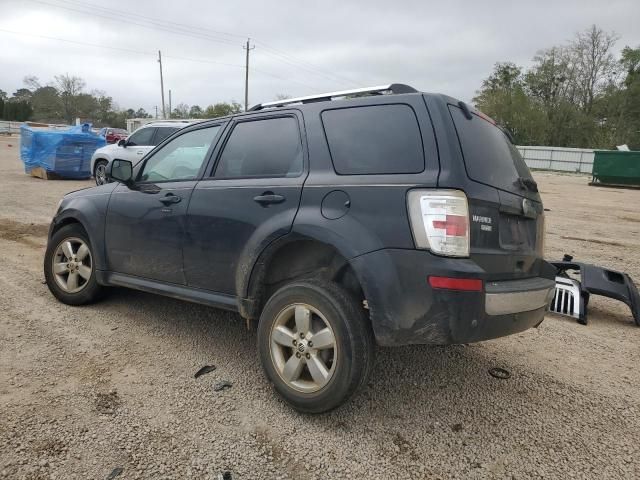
x=69 y=266
x=100 y=172
x=315 y=344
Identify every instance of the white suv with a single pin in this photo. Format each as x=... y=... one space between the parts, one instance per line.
x=136 y=146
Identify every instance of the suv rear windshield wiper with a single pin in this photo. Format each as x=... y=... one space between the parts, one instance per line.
x=527 y=184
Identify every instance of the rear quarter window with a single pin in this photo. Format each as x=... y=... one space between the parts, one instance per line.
x=162 y=133
x=375 y=139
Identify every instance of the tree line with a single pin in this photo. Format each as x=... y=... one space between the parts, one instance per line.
x=65 y=98
x=579 y=94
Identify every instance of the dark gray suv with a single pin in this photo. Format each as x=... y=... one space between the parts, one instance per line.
x=395 y=217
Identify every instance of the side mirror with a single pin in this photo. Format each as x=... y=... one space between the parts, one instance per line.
x=122 y=143
x=121 y=171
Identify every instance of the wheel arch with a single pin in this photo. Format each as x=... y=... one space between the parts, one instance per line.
x=98 y=158
x=71 y=217
x=295 y=256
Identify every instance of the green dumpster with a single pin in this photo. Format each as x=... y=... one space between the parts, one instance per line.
x=611 y=167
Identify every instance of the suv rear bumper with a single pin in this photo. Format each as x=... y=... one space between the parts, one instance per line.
x=405 y=309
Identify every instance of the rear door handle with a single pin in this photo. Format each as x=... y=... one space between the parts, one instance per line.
x=140 y=152
x=170 y=198
x=268 y=198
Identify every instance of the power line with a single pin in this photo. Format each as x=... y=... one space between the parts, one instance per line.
x=155 y=19
x=285 y=55
x=187 y=30
x=207 y=31
x=154 y=25
x=121 y=49
x=153 y=54
x=139 y=52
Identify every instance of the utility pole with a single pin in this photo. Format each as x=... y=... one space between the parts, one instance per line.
x=246 y=76
x=164 y=115
x=170 y=103
x=156 y=107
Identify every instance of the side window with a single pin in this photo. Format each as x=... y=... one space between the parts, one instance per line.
x=142 y=137
x=162 y=133
x=181 y=158
x=376 y=139
x=262 y=148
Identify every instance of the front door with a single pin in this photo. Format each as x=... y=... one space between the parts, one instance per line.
x=137 y=145
x=252 y=198
x=145 y=226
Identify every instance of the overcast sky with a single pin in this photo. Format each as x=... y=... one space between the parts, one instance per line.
x=301 y=47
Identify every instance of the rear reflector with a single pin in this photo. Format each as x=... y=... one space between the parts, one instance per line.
x=464 y=284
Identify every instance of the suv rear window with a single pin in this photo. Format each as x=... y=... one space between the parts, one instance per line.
x=376 y=139
x=489 y=156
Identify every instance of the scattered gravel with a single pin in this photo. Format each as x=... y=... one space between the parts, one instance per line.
x=86 y=391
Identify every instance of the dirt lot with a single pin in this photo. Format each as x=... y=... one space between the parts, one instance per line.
x=84 y=391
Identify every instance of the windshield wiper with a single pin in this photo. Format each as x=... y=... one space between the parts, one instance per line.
x=527 y=184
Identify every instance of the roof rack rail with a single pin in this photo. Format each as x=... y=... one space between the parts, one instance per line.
x=394 y=88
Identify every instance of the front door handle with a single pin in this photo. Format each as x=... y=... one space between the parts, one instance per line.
x=140 y=152
x=170 y=198
x=268 y=198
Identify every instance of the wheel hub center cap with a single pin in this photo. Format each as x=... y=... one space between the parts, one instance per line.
x=302 y=346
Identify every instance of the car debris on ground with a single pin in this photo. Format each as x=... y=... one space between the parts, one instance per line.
x=572 y=296
x=221 y=385
x=204 y=370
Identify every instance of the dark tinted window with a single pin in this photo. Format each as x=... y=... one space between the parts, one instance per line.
x=162 y=133
x=142 y=137
x=262 y=148
x=374 y=140
x=488 y=154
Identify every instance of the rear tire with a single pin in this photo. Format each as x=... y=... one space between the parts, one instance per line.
x=69 y=266
x=100 y=172
x=315 y=378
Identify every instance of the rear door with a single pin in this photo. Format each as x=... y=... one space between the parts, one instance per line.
x=250 y=198
x=514 y=224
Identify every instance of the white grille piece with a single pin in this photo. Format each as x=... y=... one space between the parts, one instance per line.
x=566 y=300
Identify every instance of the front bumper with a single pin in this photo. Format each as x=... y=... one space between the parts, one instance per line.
x=404 y=309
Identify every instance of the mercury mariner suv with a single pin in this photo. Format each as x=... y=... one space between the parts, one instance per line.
x=339 y=221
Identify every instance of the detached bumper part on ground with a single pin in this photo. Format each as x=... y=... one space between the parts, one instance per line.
x=572 y=296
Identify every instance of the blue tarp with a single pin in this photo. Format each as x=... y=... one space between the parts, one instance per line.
x=64 y=152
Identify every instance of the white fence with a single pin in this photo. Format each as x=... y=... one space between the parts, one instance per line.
x=9 y=127
x=14 y=127
x=558 y=158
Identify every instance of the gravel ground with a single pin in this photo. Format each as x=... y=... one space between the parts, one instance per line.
x=84 y=391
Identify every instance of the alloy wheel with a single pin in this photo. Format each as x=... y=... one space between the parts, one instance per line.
x=101 y=173
x=303 y=348
x=72 y=265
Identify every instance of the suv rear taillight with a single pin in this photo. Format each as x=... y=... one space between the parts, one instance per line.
x=440 y=221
